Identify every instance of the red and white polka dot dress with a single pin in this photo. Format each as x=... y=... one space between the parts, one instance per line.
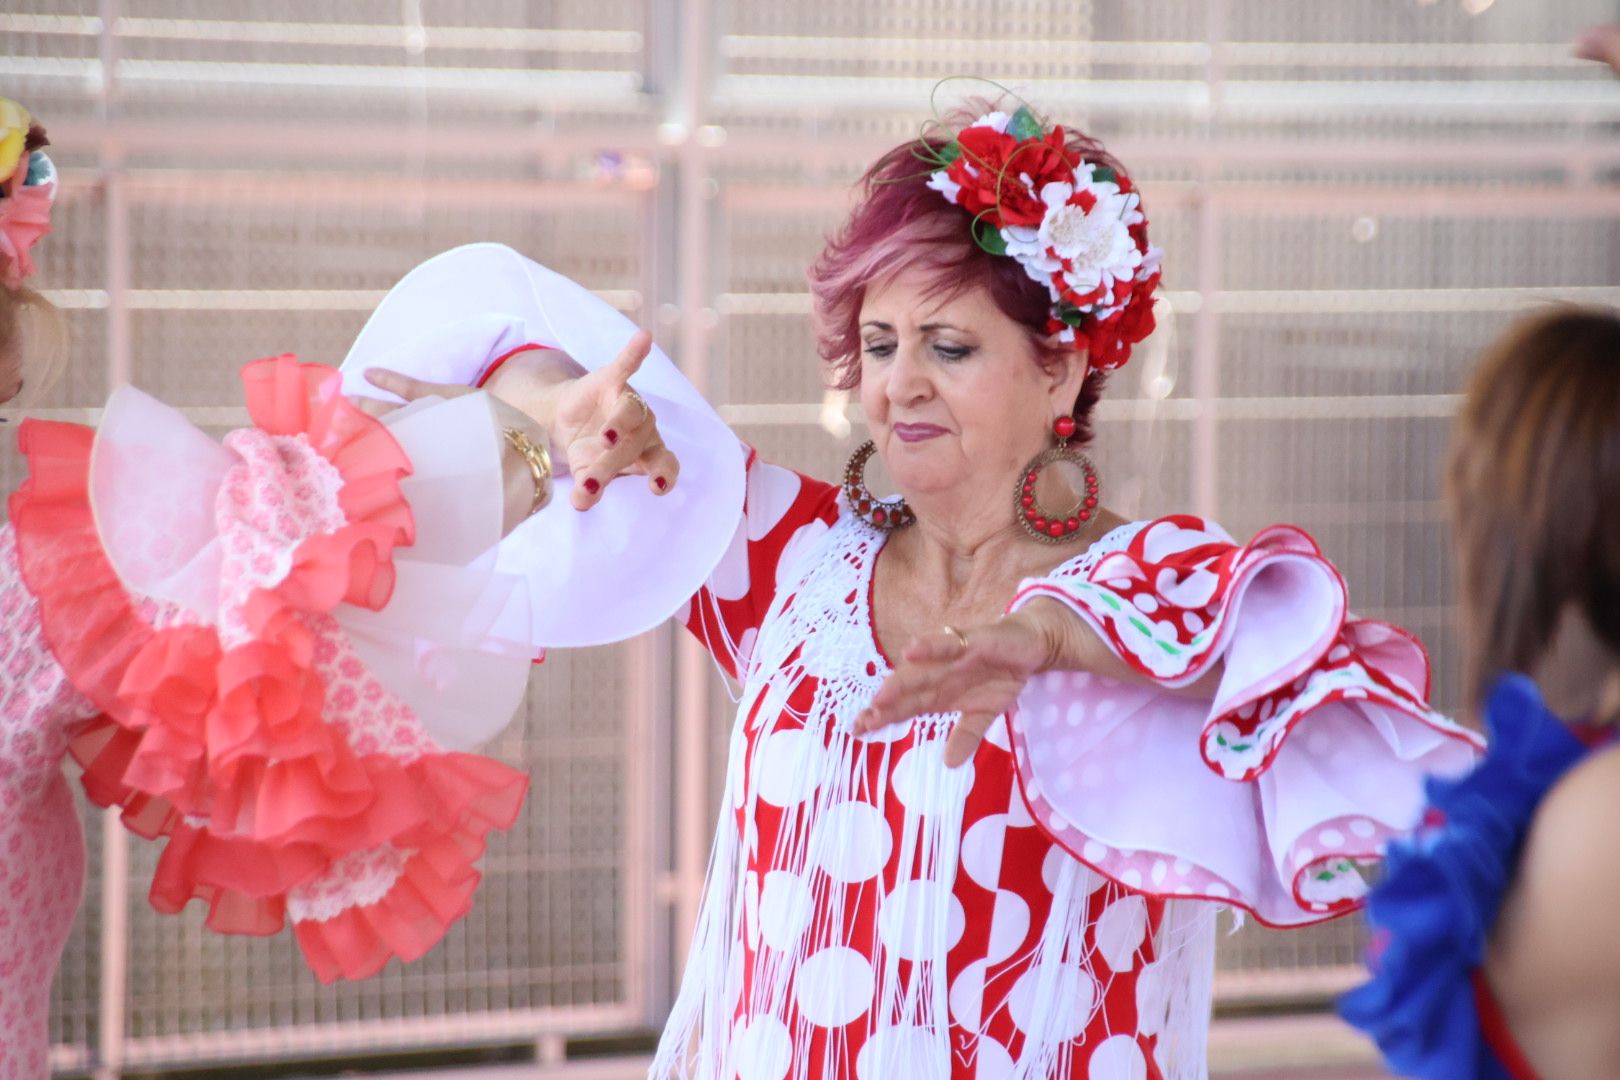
x=871 y=913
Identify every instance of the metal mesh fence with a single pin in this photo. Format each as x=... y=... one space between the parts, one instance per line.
x=1353 y=198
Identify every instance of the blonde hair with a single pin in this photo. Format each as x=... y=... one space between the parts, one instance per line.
x=33 y=330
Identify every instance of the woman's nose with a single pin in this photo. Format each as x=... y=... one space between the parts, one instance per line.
x=909 y=376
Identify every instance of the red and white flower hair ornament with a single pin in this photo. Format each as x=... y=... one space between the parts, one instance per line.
x=27 y=190
x=1075 y=226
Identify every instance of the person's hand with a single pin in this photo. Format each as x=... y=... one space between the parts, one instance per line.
x=604 y=430
x=978 y=671
x=1600 y=43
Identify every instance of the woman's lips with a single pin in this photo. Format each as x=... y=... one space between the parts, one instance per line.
x=917 y=432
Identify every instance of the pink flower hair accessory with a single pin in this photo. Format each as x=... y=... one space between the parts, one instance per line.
x=1075 y=226
x=27 y=189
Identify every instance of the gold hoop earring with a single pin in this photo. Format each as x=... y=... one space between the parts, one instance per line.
x=1041 y=523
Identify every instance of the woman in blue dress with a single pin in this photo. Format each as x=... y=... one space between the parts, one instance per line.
x=1496 y=948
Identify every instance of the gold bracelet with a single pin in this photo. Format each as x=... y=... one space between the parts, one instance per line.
x=538 y=458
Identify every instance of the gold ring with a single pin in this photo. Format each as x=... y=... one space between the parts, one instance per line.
x=957 y=634
x=639 y=400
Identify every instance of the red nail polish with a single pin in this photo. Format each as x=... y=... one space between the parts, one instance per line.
x=661 y=482
x=611 y=436
x=591 y=485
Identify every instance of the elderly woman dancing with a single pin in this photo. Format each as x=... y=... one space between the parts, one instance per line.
x=998 y=753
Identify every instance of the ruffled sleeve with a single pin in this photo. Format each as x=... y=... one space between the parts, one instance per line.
x=282 y=674
x=1310 y=754
x=636 y=558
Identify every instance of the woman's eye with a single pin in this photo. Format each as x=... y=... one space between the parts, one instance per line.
x=952 y=352
x=880 y=348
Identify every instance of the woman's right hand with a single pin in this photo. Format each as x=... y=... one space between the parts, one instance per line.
x=604 y=430
x=600 y=429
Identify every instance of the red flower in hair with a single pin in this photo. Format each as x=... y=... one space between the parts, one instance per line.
x=991 y=168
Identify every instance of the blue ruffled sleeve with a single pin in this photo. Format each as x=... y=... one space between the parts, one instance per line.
x=1442 y=890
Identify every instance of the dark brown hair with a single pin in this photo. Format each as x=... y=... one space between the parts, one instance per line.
x=1534 y=486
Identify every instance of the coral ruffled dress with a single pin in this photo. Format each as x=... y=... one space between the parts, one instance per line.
x=283 y=645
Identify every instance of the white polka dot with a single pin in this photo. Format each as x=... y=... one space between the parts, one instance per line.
x=1056 y=861
x=1152 y=998
x=1132 y=878
x=1193 y=621
x=981 y=850
x=789 y=565
x=745 y=649
x=920 y=779
x=1009 y=926
x=1217 y=888
x=785 y=907
x=1094 y=852
x=915 y=913
x=764 y=1051
x=912 y=1052
x=834 y=986
x=853 y=842
x=1071 y=1003
x=771 y=491
x=730 y=578
x=1146 y=603
x=991 y=1061
x=1075 y=714
x=1161 y=870
x=1363 y=828
x=1119 y=931
x=967 y=995
x=1117 y=1058
x=1120 y=584
x=751 y=908
x=1338 y=653
x=1018 y=816
x=788 y=766
x=1332 y=839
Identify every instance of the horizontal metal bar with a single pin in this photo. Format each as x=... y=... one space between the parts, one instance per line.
x=970 y=51
x=1495 y=100
x=465 y=1029
x=1347 y=301
x=263 y=299
x=1248 y=985
x=242 y=31
x=513 y=88
x=1335 y=407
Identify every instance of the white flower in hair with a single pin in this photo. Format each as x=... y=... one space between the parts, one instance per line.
x=995 y=121
x=942 y=183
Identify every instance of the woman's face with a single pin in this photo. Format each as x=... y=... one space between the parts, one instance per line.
x=953 y=393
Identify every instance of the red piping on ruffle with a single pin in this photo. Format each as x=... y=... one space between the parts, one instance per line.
x=489 y=372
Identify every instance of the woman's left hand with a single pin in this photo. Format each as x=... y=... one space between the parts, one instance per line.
x=978 y=671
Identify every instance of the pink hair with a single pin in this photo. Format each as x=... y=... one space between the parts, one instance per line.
x=901 y=224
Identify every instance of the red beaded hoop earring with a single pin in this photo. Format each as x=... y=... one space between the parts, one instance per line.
x=885 y=514
x=1042 y=524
